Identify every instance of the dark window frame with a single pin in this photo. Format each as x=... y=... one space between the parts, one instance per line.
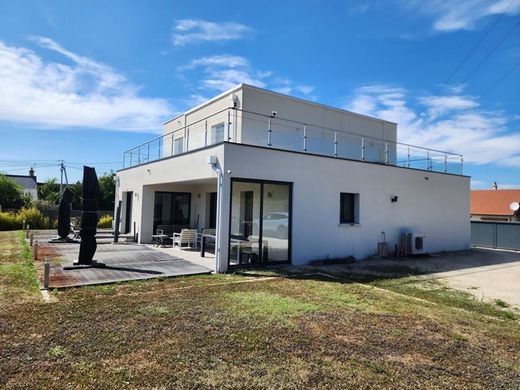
x=353 y=208
x=173 y=193
x=261 y=227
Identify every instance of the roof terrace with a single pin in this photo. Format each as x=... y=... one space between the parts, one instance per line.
x=272 y=131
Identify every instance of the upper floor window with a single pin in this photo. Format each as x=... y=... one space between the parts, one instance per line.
x=179 y=145
x=217 y=133
x=349 y=208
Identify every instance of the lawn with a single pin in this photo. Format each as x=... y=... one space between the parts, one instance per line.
x=253 y=330
x=17 y=276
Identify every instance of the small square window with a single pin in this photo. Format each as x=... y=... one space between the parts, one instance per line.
x=349 y=208
x=179 y=145
x=217 y=133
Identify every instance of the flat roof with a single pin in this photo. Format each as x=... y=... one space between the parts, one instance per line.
x=267 y=91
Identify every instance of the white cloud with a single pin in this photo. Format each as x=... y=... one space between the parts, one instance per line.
x=196 y=99
x=479 y=184
x=224 y=71
x=225 y=60
x=457 y=15
x=508 y=186
x=453 y=123
x=439 y=105
x=224 y=79
x=305 y=89
x=284 y=90
x=82 y=93
x=196 y=31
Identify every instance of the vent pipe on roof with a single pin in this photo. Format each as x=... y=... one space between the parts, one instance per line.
x=494 y=186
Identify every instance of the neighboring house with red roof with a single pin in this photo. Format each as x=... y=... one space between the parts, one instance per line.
x=495 y=205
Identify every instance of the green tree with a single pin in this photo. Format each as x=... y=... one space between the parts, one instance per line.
x=107 y=186
x=27 y=200
x=49 y=191
x=11 y=195
x=77 y=192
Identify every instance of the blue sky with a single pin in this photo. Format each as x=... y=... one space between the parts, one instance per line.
x=84 y=81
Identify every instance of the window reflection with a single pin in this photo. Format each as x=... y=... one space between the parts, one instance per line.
x=260 y=223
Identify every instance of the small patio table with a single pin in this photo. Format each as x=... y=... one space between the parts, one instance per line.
x=159 y=240
x=203 y=238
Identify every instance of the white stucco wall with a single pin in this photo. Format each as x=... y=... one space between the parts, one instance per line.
x=320 y=138
x=185 y=173
x=322 y=122
x=191 y=125
x=432 y=203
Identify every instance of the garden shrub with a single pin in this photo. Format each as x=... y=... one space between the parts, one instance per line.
x=14 y=220
x=105 y=222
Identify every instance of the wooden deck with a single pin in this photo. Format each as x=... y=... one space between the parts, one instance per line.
x=124 y=262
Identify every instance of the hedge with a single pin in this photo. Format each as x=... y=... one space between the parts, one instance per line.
x=32 y=216
x=105 y=222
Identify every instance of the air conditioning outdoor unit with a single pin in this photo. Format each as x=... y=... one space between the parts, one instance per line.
x=415 y=243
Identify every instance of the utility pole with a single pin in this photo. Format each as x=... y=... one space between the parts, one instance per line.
x=63 y=172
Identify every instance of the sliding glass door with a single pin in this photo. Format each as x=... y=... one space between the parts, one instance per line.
x=245 y=223
x=171 y=211
x=260 y=222
x=275 y=224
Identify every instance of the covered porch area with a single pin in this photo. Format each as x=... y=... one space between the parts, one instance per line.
x=177 y=218
x=170 y=208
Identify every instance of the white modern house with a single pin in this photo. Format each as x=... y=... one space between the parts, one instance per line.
x=284 y=180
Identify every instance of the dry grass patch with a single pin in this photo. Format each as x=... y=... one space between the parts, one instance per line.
x=235 y=331
x=17 y=275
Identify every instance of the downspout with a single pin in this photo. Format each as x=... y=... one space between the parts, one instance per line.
x=213 y=161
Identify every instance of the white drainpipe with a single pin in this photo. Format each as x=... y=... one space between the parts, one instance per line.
x=213 y=161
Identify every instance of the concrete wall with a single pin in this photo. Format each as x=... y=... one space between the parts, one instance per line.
x=189 y=172
x=320 y=139
x=199 y=199
x=287 y=130
x=192 y=124
x=432 y=203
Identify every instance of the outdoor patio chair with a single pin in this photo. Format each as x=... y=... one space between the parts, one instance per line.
x=187 y=237
x=160 y=238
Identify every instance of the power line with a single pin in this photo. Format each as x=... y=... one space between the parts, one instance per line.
x=496 y=83
x=479 y=42
x=53 y=162
x=15 y=169
x=491 y=52
x=95 y=163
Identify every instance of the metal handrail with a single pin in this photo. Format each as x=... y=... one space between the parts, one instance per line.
x=388 y=156
x=332 y=129
x=182 y=128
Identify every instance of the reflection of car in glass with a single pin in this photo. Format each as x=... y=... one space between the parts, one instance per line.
x=276 y=224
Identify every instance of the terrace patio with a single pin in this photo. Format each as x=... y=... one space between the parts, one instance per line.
x=125 y=261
